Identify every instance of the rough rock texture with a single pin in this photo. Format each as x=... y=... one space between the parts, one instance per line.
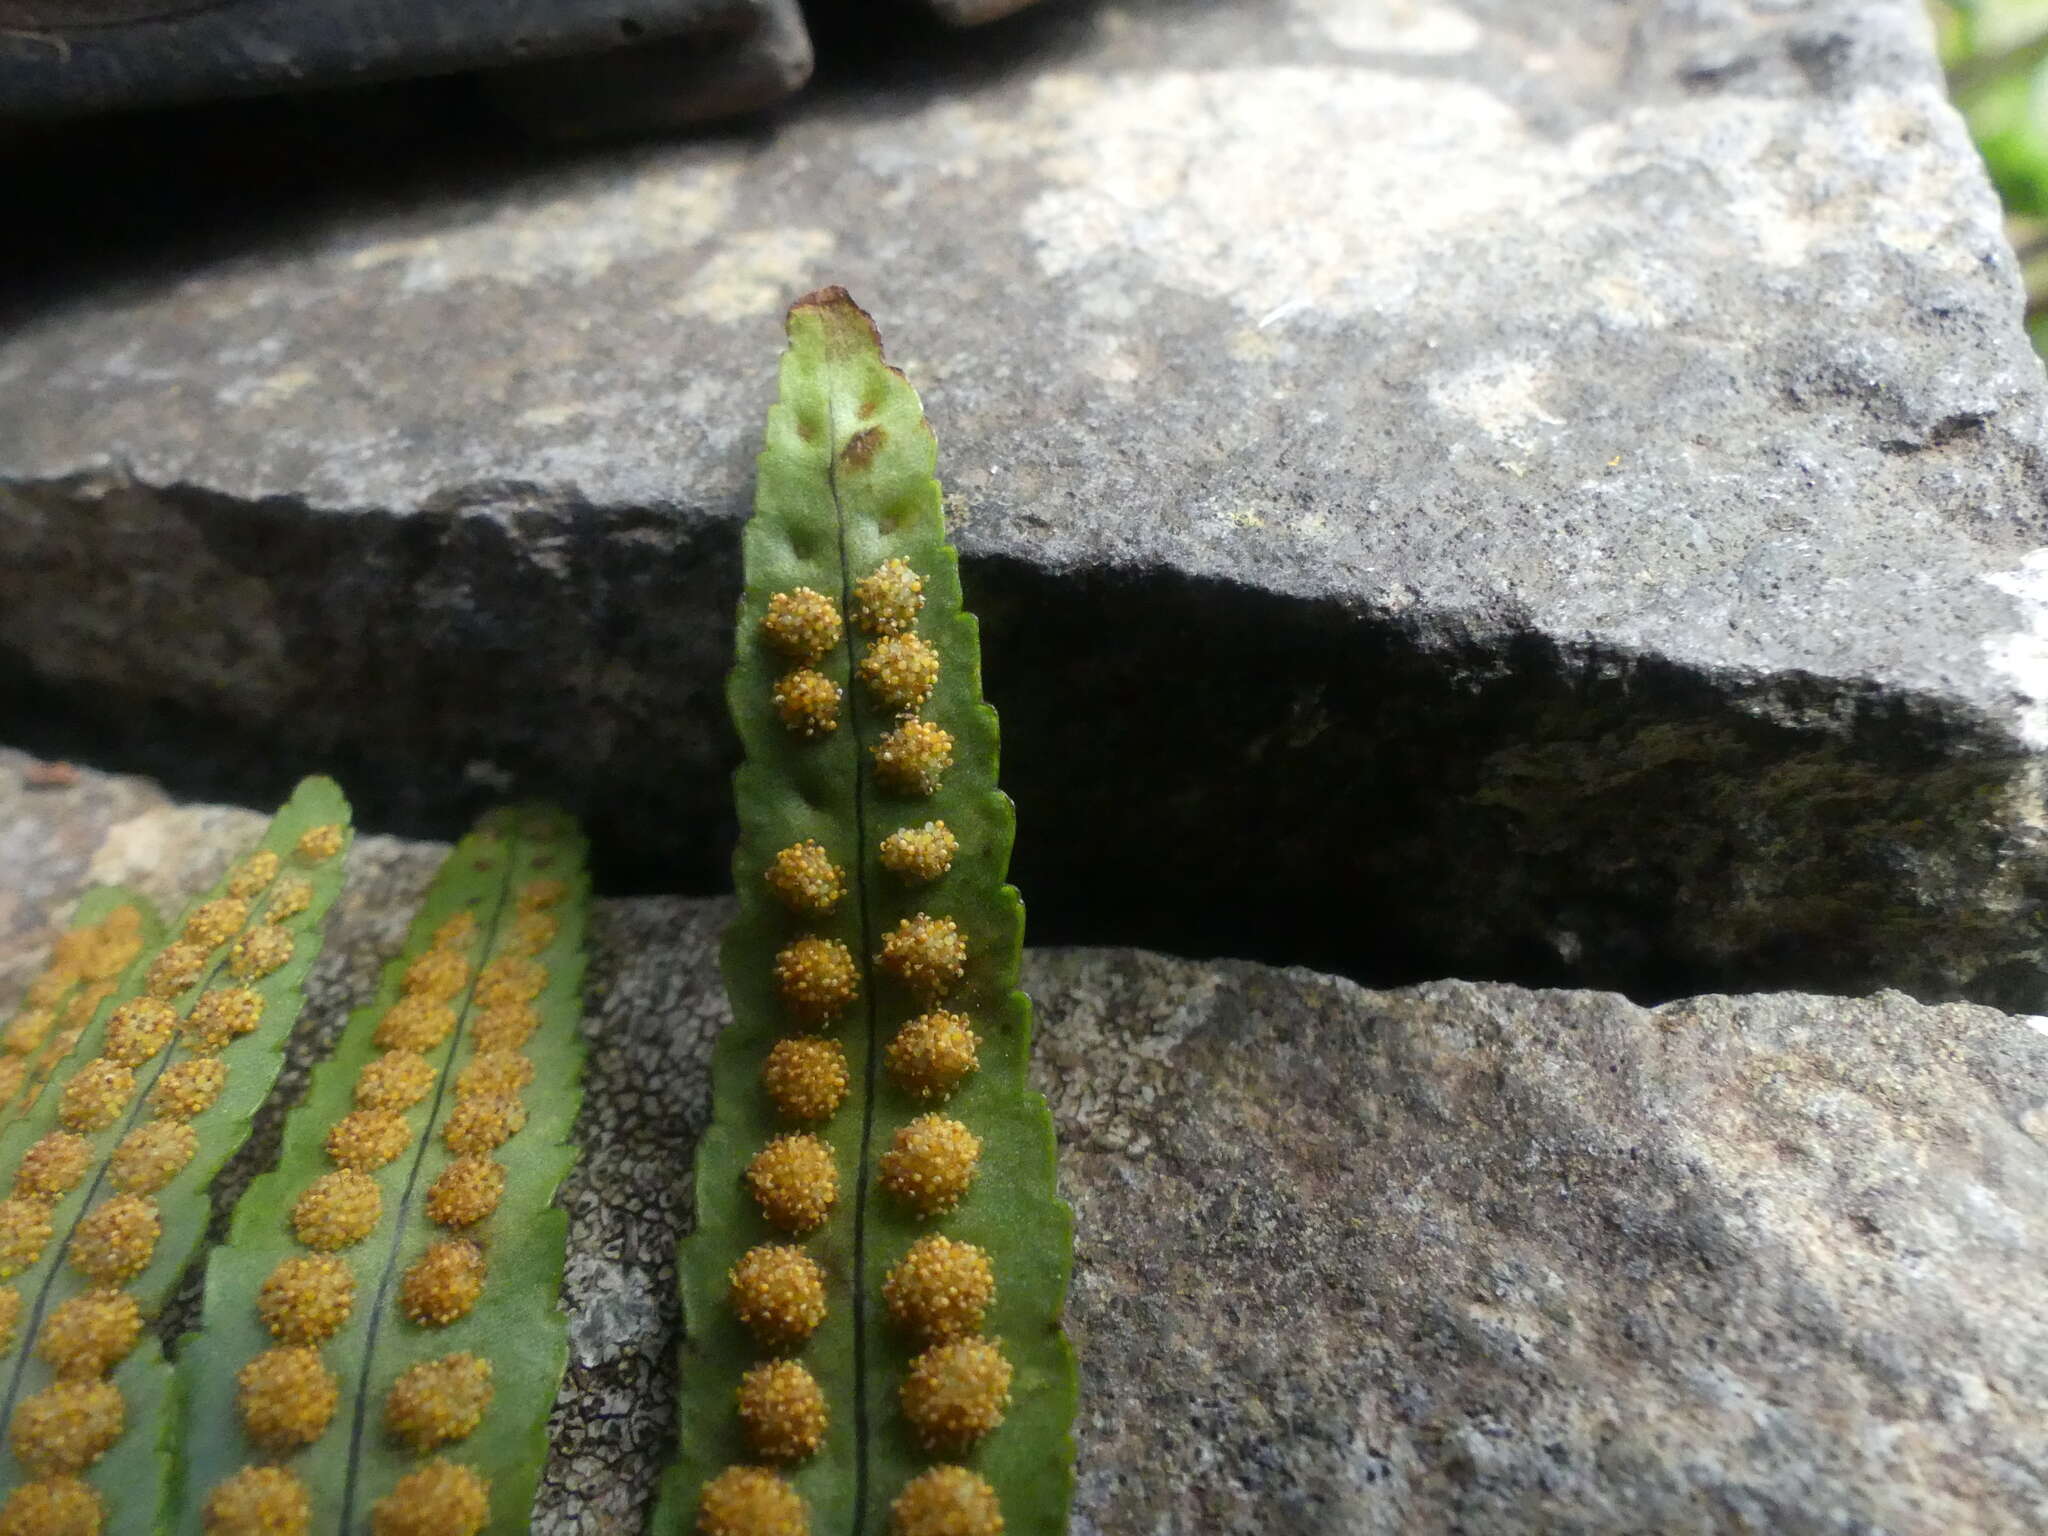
x=1498 y=487
x=1456 y=1258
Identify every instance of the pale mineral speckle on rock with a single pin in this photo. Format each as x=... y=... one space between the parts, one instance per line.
x=1393 y=26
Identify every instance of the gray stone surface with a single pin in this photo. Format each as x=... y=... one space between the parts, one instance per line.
x=1483 y=486
x=1455 y=1258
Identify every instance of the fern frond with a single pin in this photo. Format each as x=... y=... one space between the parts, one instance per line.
x=110 y=929
x=110 y=1169
x=383 y=1336
x=873 y=1290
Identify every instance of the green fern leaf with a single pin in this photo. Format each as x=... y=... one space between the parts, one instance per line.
x=382 y=1337
x=110 y=1170
x=110 y=930
x=875 y=1157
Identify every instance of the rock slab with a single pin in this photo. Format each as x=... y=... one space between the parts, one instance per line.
x=1498 y=487
x=1453 y=1258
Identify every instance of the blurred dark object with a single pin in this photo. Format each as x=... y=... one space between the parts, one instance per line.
x=571 y=68
x=640 y=63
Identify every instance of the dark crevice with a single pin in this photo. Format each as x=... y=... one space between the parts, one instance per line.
x=1278 y=778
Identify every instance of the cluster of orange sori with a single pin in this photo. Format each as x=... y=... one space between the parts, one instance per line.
x=83 y=971
x=940 y=1291
x=287 y=1396
x=61 y=1430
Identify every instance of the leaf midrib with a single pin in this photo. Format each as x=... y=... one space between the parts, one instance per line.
x=373 y=1326
x=858 y=867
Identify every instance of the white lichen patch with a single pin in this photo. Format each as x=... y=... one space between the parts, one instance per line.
x=1392 y=26
x=2020 y=656
x=1246 y=201
x=571 y=238
x=753 y=272
x=1502 y=397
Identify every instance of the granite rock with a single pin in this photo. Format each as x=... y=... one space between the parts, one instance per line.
x=1454 y=1258
x=1492 y=487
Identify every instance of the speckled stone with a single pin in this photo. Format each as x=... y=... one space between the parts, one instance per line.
x=1452 y=1259
x=1552 y=490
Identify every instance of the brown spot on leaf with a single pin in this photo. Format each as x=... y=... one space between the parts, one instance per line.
x=861 y=448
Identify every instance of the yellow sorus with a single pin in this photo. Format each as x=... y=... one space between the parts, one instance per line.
x=89 y=1335
x=510 y=979
x=28 y=1031
x=816 y=978
x=397 y=1080
x=805 y=878
x=438 y=1400
x=940 y=1289
x=337 y=1210
x=538 y=895
x=946 y=1501
x=24 y=1229
x=932 y=1053
x=751 y=1501
x=291 y=897
x=919 y=854
x=286 y=1397
x=65 y=1428
x=930 y=1163
x=467 y=1191
x=778 y=1293
x=927 y=954
x=253 y=873
x=116 y=1240
x=189 y=1088
x=137 y=1030
x=175 y=970
x=795 y=1182
x=440 y=1499
x=152 y=1155
x=436 y=976
x=47 y=988
x=221 y=1016
x=259 y=1501
x=802 y=624
x=532 y=933
x=95 y=1096
x=442 y=1284
x=806 y=1077
x=306 y=1299
x=886 y=601
x=491 y=1073
x=956 y=1393
x=13 y=1073
x=459 y=932
x=808 y=702
x=505 y=1028
x=900 y=671
x=782 y=1411
x=367 y=1139
x=416 y=1023
x=216 y=921
x=10 y=1316
x=318 y=844
x=913 y=758
x=482 y=1124
x=57 y=1506
x=260 y=951
x=52 y=1167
